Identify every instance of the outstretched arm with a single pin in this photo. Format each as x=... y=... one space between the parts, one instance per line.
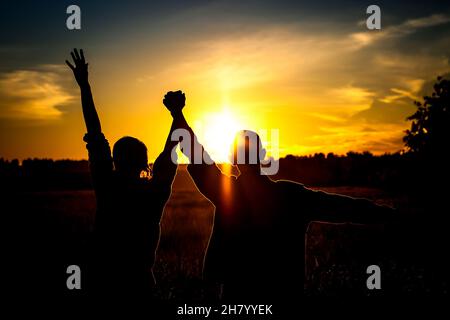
x=336 y=208
x=80 y=71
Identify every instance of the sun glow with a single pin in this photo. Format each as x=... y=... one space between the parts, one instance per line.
x=216 y=132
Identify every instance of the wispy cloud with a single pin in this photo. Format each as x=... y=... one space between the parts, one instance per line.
x=336 y=98
x=413 y=86
x=352 y=137
x=363 y=39
x=353 y=98
x=34 y=94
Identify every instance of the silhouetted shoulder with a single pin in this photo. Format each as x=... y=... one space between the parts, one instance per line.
x=100 y=160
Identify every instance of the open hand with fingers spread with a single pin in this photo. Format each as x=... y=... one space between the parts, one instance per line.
x=80 y=70
x=174 y=101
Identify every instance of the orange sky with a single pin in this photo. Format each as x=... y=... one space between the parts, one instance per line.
x=324 y=90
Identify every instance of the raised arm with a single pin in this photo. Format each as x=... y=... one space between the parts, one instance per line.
x=165 y=167
x=100 y=160
x=206 y=175
x=175 y=101
x=80 y=71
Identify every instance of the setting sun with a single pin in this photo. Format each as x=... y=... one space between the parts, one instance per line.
x=216 y=132
x=337 y=89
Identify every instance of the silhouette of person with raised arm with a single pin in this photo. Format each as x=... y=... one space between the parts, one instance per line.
x=256 y=250
x=129 y=202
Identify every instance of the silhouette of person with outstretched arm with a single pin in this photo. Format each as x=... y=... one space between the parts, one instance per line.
x=129 y=202
x=256 y=249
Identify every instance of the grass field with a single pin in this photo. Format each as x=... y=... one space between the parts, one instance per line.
x=336 y=255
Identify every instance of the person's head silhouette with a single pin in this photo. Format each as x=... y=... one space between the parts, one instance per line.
x=247 y=152
x=130 y=157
